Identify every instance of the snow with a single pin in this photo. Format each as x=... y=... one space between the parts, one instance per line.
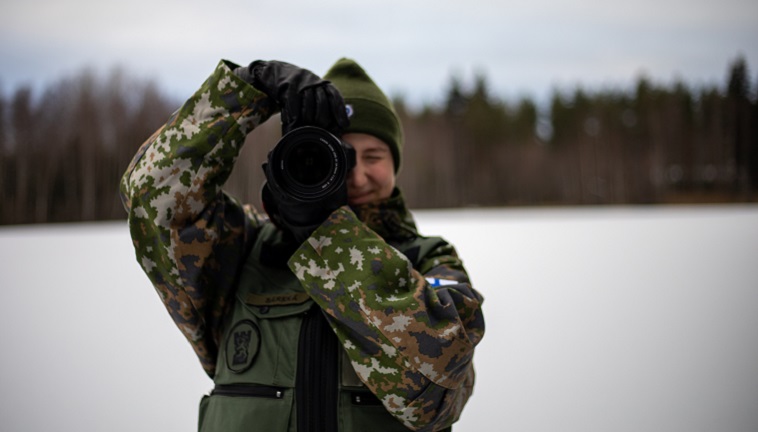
x=598 y=319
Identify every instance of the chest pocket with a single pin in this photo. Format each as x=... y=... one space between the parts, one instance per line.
x=261 y=339
x=257 y=360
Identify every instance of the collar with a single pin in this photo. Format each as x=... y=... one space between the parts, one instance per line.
x=389 y=218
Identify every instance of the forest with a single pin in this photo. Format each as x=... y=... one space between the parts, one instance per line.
x=63 y=149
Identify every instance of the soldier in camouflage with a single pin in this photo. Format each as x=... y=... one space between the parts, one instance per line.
x=355 y=322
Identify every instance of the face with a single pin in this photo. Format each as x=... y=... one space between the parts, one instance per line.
x=373 y=177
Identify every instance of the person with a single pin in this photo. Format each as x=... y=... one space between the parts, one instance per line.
x=339 y=317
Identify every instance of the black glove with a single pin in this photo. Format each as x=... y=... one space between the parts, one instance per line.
x=298 y=218
x=303 y=98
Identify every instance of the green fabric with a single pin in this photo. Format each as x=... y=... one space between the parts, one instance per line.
x=389 y=218
x=370 y=111
x=244 y=414
x=187 y=233
x=409 y=339
x=275 y=360
x=385 y=314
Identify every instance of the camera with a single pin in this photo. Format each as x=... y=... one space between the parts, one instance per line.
x=309 y=165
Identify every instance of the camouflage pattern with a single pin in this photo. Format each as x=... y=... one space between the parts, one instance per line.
x=411 y=343
x=390 y=219
x=190 y=237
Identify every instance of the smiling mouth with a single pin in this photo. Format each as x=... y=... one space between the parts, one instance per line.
x=359 y=198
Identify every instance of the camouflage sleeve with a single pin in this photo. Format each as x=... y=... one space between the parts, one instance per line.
x=188 y=234
x=410 y=342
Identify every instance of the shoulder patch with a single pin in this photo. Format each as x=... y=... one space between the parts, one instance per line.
x=242 y=346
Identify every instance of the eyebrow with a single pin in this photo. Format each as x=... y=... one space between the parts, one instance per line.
x=375 y=149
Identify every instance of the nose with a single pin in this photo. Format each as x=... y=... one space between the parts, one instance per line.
x=356 y=178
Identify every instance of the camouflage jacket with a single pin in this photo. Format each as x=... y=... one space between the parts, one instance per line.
x=409 y=332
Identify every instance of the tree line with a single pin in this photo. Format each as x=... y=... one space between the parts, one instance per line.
x=62 y=152
x=651 y=144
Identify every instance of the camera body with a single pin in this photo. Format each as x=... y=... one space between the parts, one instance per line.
x=308 y=168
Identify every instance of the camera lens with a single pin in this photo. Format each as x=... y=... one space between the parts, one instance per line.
x=309 y=163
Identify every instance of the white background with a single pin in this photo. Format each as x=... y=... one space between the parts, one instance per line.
x=598 y=319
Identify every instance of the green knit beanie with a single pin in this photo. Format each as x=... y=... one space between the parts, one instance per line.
x=369 y=110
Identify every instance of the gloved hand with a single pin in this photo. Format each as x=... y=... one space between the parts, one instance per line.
x=298 y=218
x=303 y=98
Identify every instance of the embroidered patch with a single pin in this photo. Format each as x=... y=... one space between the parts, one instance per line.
x=242 y=346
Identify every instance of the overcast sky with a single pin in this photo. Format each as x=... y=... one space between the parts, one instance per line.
x=410 y=47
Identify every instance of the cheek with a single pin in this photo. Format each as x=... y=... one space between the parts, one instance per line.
x=385 y=176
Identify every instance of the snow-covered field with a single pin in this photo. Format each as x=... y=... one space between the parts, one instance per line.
x=598 y=319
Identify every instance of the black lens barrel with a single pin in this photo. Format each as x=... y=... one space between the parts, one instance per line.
x=309 y=164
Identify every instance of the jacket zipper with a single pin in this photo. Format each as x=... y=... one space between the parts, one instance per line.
x=251 y=390
x=316 y=381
